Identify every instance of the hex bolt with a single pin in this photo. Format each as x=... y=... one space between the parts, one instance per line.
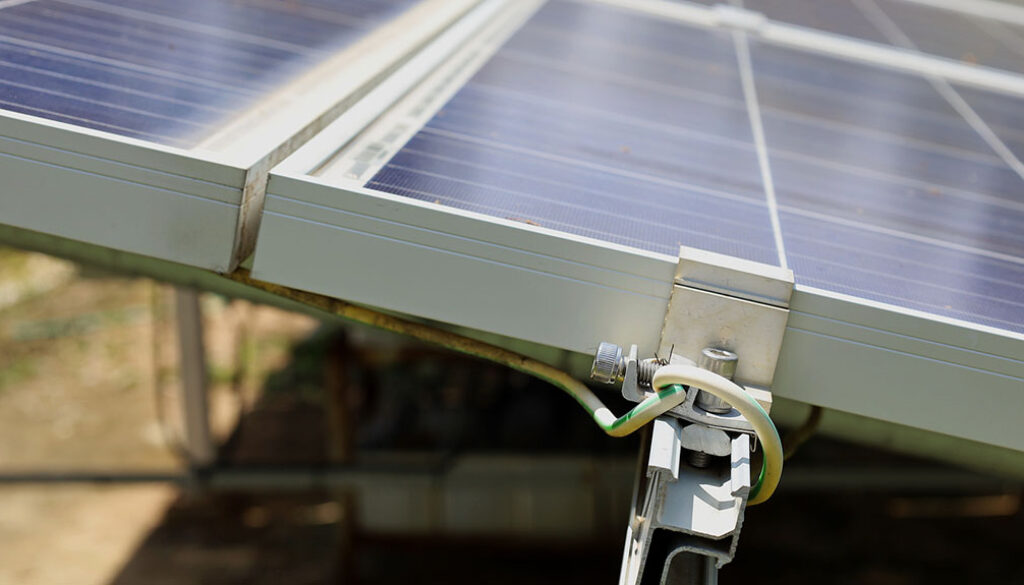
x=609 y=366
x=723 y=363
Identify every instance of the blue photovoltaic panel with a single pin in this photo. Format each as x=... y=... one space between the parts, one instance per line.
x=1003 y=113
x=603 y=123
x=886 y=193
x=166 y=71
x=879 y=111
x=799 y=86
x=894 y=269
x=629 y=130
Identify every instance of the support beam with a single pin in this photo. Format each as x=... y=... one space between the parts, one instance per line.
x=194 y=401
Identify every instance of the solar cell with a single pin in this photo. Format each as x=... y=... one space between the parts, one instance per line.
x=165 y=72
x=602 y=123
x=1004 y=114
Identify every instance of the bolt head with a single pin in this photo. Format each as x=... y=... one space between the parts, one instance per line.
x=609 y=367
x=719 y=361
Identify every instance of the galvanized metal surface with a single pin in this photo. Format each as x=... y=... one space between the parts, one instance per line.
x=681 y=510
x=730 y=304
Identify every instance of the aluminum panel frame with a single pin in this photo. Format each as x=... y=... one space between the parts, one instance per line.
x=839 y=352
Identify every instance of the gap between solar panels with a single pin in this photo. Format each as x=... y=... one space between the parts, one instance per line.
x=166 y=140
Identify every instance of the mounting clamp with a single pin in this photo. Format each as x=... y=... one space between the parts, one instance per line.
x=736 y=305
x=727 y=316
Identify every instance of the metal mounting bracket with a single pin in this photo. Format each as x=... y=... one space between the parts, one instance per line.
x=727 y=316
x=685 y=523
x=728 y=303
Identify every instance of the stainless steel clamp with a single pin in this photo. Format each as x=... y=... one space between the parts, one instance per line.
x=693 y=477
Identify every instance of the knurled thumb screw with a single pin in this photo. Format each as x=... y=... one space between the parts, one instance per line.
x=609 y=365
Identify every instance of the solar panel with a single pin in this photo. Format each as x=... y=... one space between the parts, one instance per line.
x=165 y=72
x=654 y=150
x=537 y=185
x=797 y=86
x=629 y=129
x=530 y=169
x=583 y=110
x=1002 y=114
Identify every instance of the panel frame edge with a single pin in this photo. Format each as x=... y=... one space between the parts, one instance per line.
x=71 y=179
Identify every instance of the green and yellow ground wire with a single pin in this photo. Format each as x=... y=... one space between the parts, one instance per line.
x=669 y=380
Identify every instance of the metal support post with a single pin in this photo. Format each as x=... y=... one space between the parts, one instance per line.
x=341 y=447
x=195 y=408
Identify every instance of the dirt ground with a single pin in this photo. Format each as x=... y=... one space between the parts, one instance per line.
x=87 y=378
x=74 y=533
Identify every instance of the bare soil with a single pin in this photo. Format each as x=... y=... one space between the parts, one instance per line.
x=87 y=362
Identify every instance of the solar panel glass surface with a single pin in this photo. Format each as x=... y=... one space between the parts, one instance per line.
x=1004 y=114
x=168 y=72
x=885 y=192
x=602 y=123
